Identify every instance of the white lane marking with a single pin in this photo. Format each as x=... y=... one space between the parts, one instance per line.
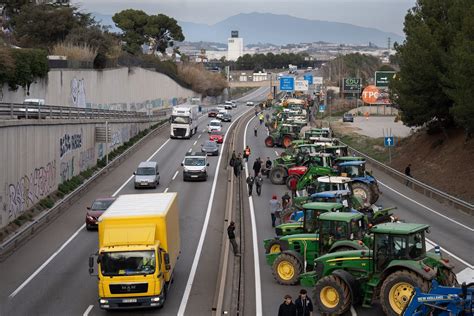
x=203 y=130
x=197 y=256
x=428 y=246
x=199 y=136
x=276 y=153
x=195 y=142
x=175 y=174
x=86 y=313
x=466 y=275
x=166 y=190
x=256 y=261
x=190 y=150
x=353 y=311
x=429 y=209
x=451 y=254
x=131 y=177
x=32 y=276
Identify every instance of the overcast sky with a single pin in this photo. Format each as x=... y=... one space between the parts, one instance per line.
x=386 y=15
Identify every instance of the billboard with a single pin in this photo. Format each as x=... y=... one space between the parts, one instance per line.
x=234 y=34
x=301 y=85
x=318 y=80
x=374 y=95
x=351 y=85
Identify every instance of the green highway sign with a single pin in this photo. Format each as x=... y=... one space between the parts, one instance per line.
x=351 y=85
x=382 y=78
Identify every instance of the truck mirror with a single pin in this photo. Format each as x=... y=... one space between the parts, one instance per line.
x=207 y=164
x=91 y=262
x=134 y=173
x=182 y=164
x=167 y=261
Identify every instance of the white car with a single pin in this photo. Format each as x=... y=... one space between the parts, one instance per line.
x=214 y=125
x=228 y=105
x=250 y=103
x=234 y=103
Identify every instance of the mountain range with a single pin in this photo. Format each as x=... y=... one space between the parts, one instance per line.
x=278 y=29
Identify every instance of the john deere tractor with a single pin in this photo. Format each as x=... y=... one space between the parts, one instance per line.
x=283 y=135
x=301 y=175
x=396 y=264
x=289 y=256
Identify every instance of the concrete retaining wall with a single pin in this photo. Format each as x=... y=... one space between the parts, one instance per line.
x=116 y=89
x=37 y=157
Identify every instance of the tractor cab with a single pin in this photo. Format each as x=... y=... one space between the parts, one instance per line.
x=338 y=196
x=330 y=183
x=364 y=184
x=395 y=241
x=324 y=141
x=317 y=132
x=352 y=169
x=337 y=150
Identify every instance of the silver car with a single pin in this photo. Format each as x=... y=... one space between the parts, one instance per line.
x=147 y=175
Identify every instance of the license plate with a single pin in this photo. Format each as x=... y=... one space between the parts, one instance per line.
x=194 y=176
x=144 y=183
x=129 y=300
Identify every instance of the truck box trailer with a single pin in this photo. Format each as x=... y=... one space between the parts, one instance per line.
x=139 y=246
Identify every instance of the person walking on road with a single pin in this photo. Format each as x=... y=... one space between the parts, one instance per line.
x=287 y=308
x=247 y=153
x=285 y=200
x=304 y=306
x=258 y=183
x=231 y=235
x=250 y=181
x=274 y=208
x=257 y=166
x=237 y=165
x=408 y=173
x=260 y=118
x=255 y=130
x=268 y=166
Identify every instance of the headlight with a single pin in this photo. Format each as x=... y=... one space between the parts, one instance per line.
x=155 y=299
x=103 y=301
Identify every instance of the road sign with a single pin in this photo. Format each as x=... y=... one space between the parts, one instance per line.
x=389 y=141
x=322 y=108
x=382 y=78
x=351 y=85
x=370 y=94
x=287 y=83
x=308 y=78
x=318 y=80
x=301 y=85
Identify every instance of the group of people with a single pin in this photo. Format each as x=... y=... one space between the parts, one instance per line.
x=276 y=206
x=303 y=306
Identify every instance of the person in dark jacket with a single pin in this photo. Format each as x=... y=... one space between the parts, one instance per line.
x=231 y=235
x=250 y=182
x=408 y=173
x=287 y=308
x=304 y=306
x=237 y=165
x=257 y=166
x=258 y=183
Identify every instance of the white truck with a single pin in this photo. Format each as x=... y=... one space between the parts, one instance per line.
x=184 y=121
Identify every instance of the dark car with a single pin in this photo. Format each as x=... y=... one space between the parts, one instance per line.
x=210 y=148
x=95 y=210
x=348 y=117
x=226 y=117
x=212 y=113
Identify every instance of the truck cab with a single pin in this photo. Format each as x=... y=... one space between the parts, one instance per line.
x=184 y=121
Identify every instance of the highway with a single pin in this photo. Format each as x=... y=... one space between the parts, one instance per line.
x=49 y=274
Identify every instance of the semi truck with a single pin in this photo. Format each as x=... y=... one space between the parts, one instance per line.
x=184 y=121
x=139 y=246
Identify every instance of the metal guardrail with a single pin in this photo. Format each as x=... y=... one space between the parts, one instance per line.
x=30 y=111
x=27 y=231
x=419 y=186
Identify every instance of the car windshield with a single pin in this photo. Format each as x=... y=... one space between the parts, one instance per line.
x=211 y=145
x=145 y=171
x=216 y=133
x=215 y=124
x=101 y=205
x=180 y=119
x=127 y=263
x=194 y=162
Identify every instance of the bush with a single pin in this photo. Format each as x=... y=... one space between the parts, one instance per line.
x=73 y=52
x=201 y=80
x=21 y=67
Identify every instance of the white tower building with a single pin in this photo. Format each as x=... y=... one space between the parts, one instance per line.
x=235 y=46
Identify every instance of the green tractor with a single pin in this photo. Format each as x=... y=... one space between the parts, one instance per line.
x=300 y=176
x=317 y=132
x=396 y=264
x=290 y=256
x=283 y=135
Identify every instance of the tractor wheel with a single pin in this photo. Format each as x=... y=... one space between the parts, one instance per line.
x=397 y=289
x=292 y=181
x=332 y=296
x=275 y=246
x=363 y=191
x=449 y=278
x=269 y=141
x=287 y=269
x=375 y=193
x=278 y=175
x=286 y=141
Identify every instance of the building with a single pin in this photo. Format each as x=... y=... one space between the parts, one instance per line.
x=235 y=46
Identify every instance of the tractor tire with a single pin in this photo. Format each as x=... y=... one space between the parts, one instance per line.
x=278 y=175
x=363 y=191
x=286 y=269
x=269 y=141
x=292 y=181
x=397 y=288
x=375 y=193
x=449 y=278
x=276 y=246
x=286 y=141
x=332 y=296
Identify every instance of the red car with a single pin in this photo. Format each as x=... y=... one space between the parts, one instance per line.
x=216 y=136
x=93 y=212
x=212 y=113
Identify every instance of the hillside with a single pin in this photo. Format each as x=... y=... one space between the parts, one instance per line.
x=444 y=163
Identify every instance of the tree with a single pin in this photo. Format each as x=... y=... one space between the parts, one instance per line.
x=159 y=31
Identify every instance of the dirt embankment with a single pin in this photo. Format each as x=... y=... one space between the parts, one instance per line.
x=445 y=162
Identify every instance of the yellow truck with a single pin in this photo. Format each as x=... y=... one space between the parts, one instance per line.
x=139 y=246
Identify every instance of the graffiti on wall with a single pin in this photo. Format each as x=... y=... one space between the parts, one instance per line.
x=69 y=143
x=66 y=170
x=30 y=189
x=86 y=159
x=78 y=93
x=116 y=138
x=147 y=106
x=101 y=151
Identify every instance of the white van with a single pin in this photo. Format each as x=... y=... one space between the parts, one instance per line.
x=147 y=175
